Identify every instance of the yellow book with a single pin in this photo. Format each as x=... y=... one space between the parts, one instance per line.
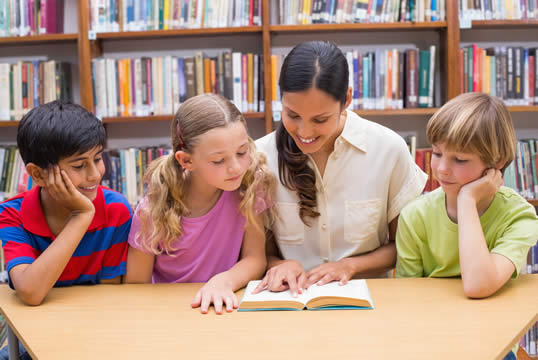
x=166 y=14
x=332 y=296
x=306 y=11
x=250 y=83
x=274 y=80
x=127 y=86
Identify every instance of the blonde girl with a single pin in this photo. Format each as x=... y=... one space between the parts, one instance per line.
x=201 y=218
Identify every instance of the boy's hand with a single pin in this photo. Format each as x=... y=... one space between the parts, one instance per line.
x=483 y=189
x=217 y=291
x=64 y=192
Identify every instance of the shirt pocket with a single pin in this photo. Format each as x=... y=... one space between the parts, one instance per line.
x=289 y=226
x=361 y=220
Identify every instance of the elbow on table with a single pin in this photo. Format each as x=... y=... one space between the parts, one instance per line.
x=30 y=297
x=475 y=290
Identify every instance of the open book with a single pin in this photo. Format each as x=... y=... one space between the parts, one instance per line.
x=353 y=295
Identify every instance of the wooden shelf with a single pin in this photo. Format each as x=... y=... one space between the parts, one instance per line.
x=414 y=111
x=132 y=35
x=9 y=123
x=523 y=108
x=123 y=119
x=503 y=24
x=435 y=25
x=38 y=39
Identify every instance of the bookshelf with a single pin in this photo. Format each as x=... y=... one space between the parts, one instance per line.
x=448 y=35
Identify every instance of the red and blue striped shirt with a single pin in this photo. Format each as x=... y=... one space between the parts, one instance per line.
x=101 y=253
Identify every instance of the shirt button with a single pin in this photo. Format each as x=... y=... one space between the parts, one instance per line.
x=324 y=226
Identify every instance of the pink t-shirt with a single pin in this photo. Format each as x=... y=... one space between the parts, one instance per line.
x=210 y=244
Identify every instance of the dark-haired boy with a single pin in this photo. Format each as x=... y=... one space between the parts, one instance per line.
x=68 y=230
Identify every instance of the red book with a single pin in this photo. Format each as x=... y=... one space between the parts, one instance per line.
x=54 y=16
x=476 y=69
x=251 y=13
x=24 y=77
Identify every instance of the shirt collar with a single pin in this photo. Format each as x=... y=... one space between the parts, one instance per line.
x=354 y=132
x=33 y=218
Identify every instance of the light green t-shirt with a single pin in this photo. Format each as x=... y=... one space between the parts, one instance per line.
x=427 y=240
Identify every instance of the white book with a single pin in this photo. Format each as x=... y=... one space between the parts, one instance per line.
x=432 y=76
x=17 y=90
x=237 y=84
x=332 y=296
x=5 y=93
x=349 y=57
x=175 y=85
x=112 y=87
x=100 y=89
x=137 y=103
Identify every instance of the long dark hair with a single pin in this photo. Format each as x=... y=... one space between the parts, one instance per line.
x=313 y=64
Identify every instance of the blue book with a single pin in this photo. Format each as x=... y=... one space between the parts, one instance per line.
x=182 y=81
x=352 y=296
x=35 y=82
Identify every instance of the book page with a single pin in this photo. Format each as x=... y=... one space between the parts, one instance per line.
x=356 y=289
x=267 y=295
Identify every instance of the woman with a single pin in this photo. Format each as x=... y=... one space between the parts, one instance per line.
x=343 y=179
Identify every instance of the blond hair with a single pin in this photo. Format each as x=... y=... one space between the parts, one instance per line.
x=476 y=123
x=160 y=215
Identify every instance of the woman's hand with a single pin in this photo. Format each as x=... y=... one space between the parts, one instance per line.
x=287 y=275
x=217 y=291
x=333 y=271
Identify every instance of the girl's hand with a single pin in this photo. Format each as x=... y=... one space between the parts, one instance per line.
x=483 y=189
x=62 y=190
x=217 y=291
x=332 y=271
x=287 y=275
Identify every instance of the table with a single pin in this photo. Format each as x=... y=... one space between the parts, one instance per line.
x=413 y=318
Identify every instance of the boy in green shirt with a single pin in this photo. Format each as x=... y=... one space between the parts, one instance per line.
x=471 y=226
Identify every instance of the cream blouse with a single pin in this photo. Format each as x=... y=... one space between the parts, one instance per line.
x=368 y=179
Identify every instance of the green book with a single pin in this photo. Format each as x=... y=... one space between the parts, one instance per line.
x=423 y=77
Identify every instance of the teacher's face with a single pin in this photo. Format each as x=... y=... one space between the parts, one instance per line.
x=313 y=119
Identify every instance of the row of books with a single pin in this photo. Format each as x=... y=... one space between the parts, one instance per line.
x=31 y=17
x=26 y=84
x=520 y=174
x=383 y=79
x=297 y=12
x=159 y=85
x=506 y=72
x=529 y=342
x=131 y=15
x=125 y=169
x=13 y=176
x=499 y=9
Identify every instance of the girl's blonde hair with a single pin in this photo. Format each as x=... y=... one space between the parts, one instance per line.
x=160 y=215
x=477 y=123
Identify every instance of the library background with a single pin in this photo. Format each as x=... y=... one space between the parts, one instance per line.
x=134 y=62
